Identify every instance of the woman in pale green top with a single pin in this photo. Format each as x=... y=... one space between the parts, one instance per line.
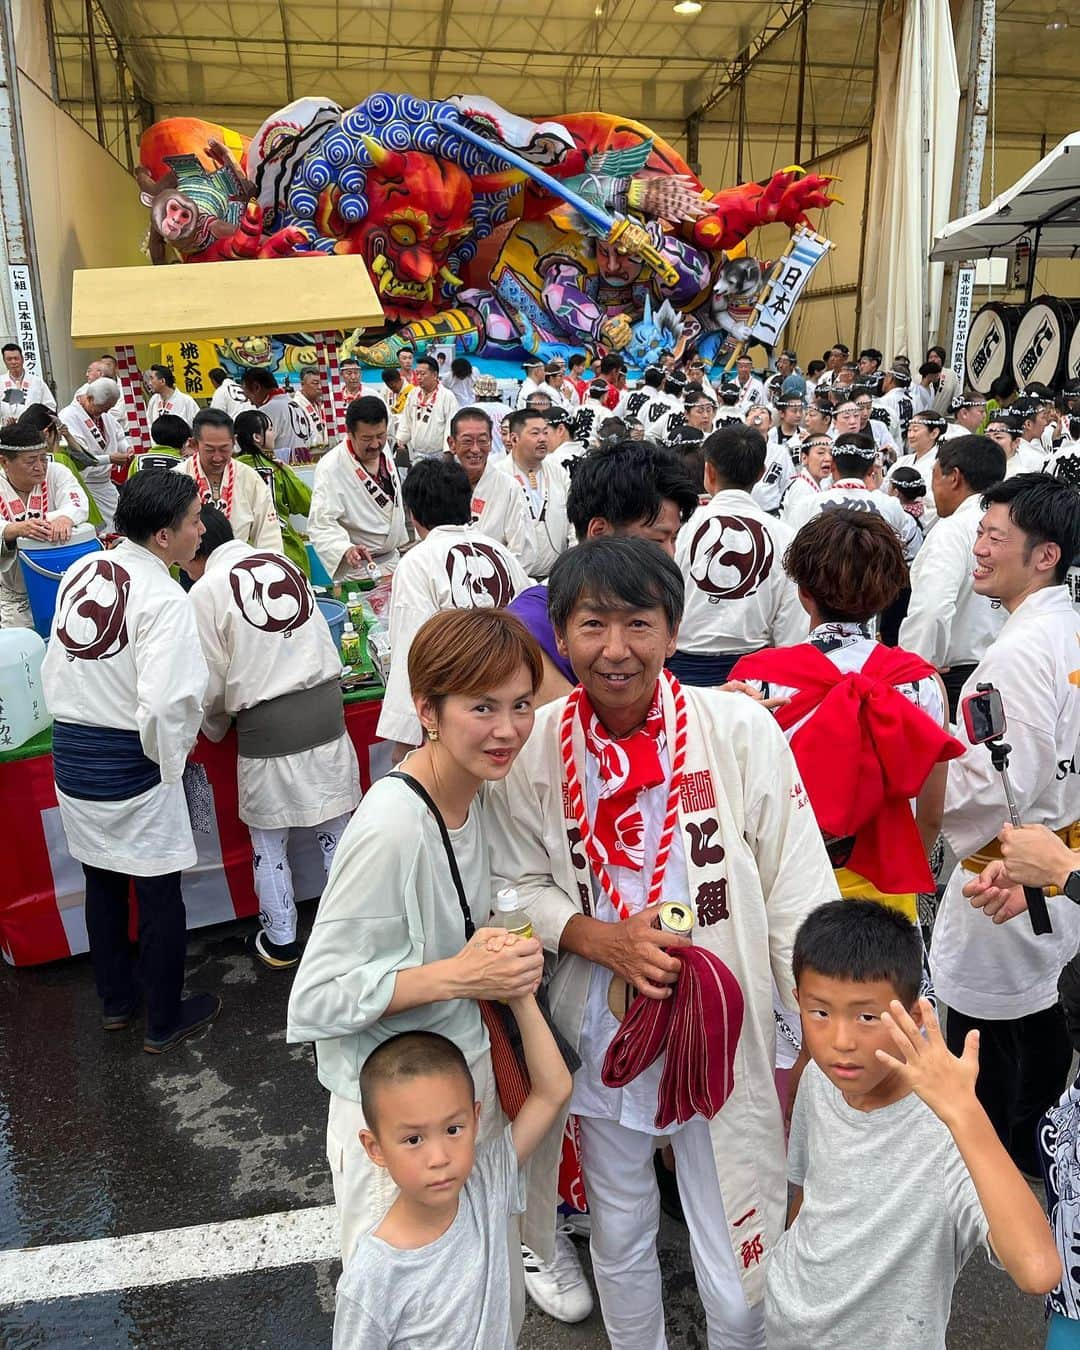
x=388 y=951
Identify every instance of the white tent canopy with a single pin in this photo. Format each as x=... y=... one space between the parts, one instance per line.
x=1043 y=206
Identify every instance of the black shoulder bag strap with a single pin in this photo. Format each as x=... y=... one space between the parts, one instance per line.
x=425 y=797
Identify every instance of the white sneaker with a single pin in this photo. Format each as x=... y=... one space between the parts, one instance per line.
x=558 y=1286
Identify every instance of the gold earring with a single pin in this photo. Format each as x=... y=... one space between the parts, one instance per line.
x=432 y=734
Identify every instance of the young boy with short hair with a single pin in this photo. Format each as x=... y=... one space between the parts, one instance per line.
x=435 y=1273
x=898 y=1172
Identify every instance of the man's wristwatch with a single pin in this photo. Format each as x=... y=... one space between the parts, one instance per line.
x=1071 y=888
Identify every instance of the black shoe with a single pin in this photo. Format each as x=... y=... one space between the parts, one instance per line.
x=195 y=1013
x=118 y=1021
x=669 y=1189
x=278 y=956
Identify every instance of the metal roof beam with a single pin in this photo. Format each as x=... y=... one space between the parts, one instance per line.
x=286 y=52
x=734 y=73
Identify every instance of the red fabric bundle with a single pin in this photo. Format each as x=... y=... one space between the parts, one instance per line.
x=863 y=754
x=698 y=1026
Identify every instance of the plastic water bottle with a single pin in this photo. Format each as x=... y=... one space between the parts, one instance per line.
x=350 y=646
x=509 y=914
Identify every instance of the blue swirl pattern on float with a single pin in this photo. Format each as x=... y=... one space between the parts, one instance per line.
x=399 y=122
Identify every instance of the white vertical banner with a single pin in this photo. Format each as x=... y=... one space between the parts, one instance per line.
x=26 y=328
x=965 y=290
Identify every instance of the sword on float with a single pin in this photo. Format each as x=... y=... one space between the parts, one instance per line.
x=622 y=233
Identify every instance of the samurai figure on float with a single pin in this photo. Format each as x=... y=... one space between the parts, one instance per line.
x=503 y=234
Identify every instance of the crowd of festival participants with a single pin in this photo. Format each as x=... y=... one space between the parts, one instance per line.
x=687 y=846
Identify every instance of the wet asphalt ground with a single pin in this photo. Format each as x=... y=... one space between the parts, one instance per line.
x=98 y=1140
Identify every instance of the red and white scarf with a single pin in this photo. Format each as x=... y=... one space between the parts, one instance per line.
x=627 y=767
x=35 y=506
x=224 y=502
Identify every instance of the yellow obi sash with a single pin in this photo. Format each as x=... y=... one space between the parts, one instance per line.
x=853 y=886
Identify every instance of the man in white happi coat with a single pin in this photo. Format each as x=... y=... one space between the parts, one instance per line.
x=968 y=414
x=275 y=670
x=309 y=398
x=105 y=367
x=948 y=622
x=856 y=485
x=124 y=679
x=563 y=450
x=544 y=488
x=813 y=476
x=393 y=390
x=236 y=489
x=896 y=403
x=452 y=566
x=292 y=427
x=39 y=501
x=18 y=389
x=697 y=793
x=166 y=398
x=228 y=394
x=100 y=442
x=768 y=491
x=731 y=552
x=498 y=505
x=533 y=383
x=1002 y=980
x=751 y=390
x=356 y=515
x=424 y=426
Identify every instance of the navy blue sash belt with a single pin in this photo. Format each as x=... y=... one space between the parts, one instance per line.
x=705 y=669
x=101 y=764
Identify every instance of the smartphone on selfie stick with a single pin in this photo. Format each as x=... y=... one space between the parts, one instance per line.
x=984 y=721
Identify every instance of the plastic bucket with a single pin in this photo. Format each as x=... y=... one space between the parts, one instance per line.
x=43 y=567
x=334 y=612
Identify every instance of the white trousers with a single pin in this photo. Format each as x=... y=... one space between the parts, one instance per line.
x=625 y=1208
x=273 y=875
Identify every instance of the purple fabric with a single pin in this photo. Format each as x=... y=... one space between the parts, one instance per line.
x=531 y=607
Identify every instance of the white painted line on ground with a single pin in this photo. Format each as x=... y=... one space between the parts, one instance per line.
x=207 y=1251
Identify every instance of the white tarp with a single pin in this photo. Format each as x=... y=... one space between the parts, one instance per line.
x=910 y=185
x=1046 y=199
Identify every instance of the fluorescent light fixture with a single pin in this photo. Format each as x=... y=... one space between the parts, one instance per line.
x=687 y=7
x=1057 y=22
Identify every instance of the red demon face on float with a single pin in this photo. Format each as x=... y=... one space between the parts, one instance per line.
x=418 y=210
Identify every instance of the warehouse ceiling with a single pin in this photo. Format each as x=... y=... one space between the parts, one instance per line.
x=238 y=60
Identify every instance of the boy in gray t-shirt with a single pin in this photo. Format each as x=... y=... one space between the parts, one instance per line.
x=899 y=1175
x=435 y=1273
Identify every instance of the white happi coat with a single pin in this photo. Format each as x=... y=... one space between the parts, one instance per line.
x=62 y=495
x=99 y=441
x=738 y=596
x=756 y=867
x=262 y=637
x=1005 y=970
x=395 y=403
x=853 y=494
x=349 y=509
x=546 y=506
x=802 y=489
x=499 y=511
x=317 y=438
x=18 y=395
x=125 y=653
x=769 y=490
x=292 y=427
x=230 y=398
x=176 y=403
x=452 y=567
x=1028 y=457
x=947 y=623
x=251 y=511
x=424 y=426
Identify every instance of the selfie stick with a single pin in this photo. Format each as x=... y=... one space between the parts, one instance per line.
x=1036 y=899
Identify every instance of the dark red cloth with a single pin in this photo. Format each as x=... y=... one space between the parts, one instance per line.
x=865 y=752
x=698 y=1026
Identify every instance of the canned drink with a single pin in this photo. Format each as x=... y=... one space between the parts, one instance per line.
x=676 y=918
